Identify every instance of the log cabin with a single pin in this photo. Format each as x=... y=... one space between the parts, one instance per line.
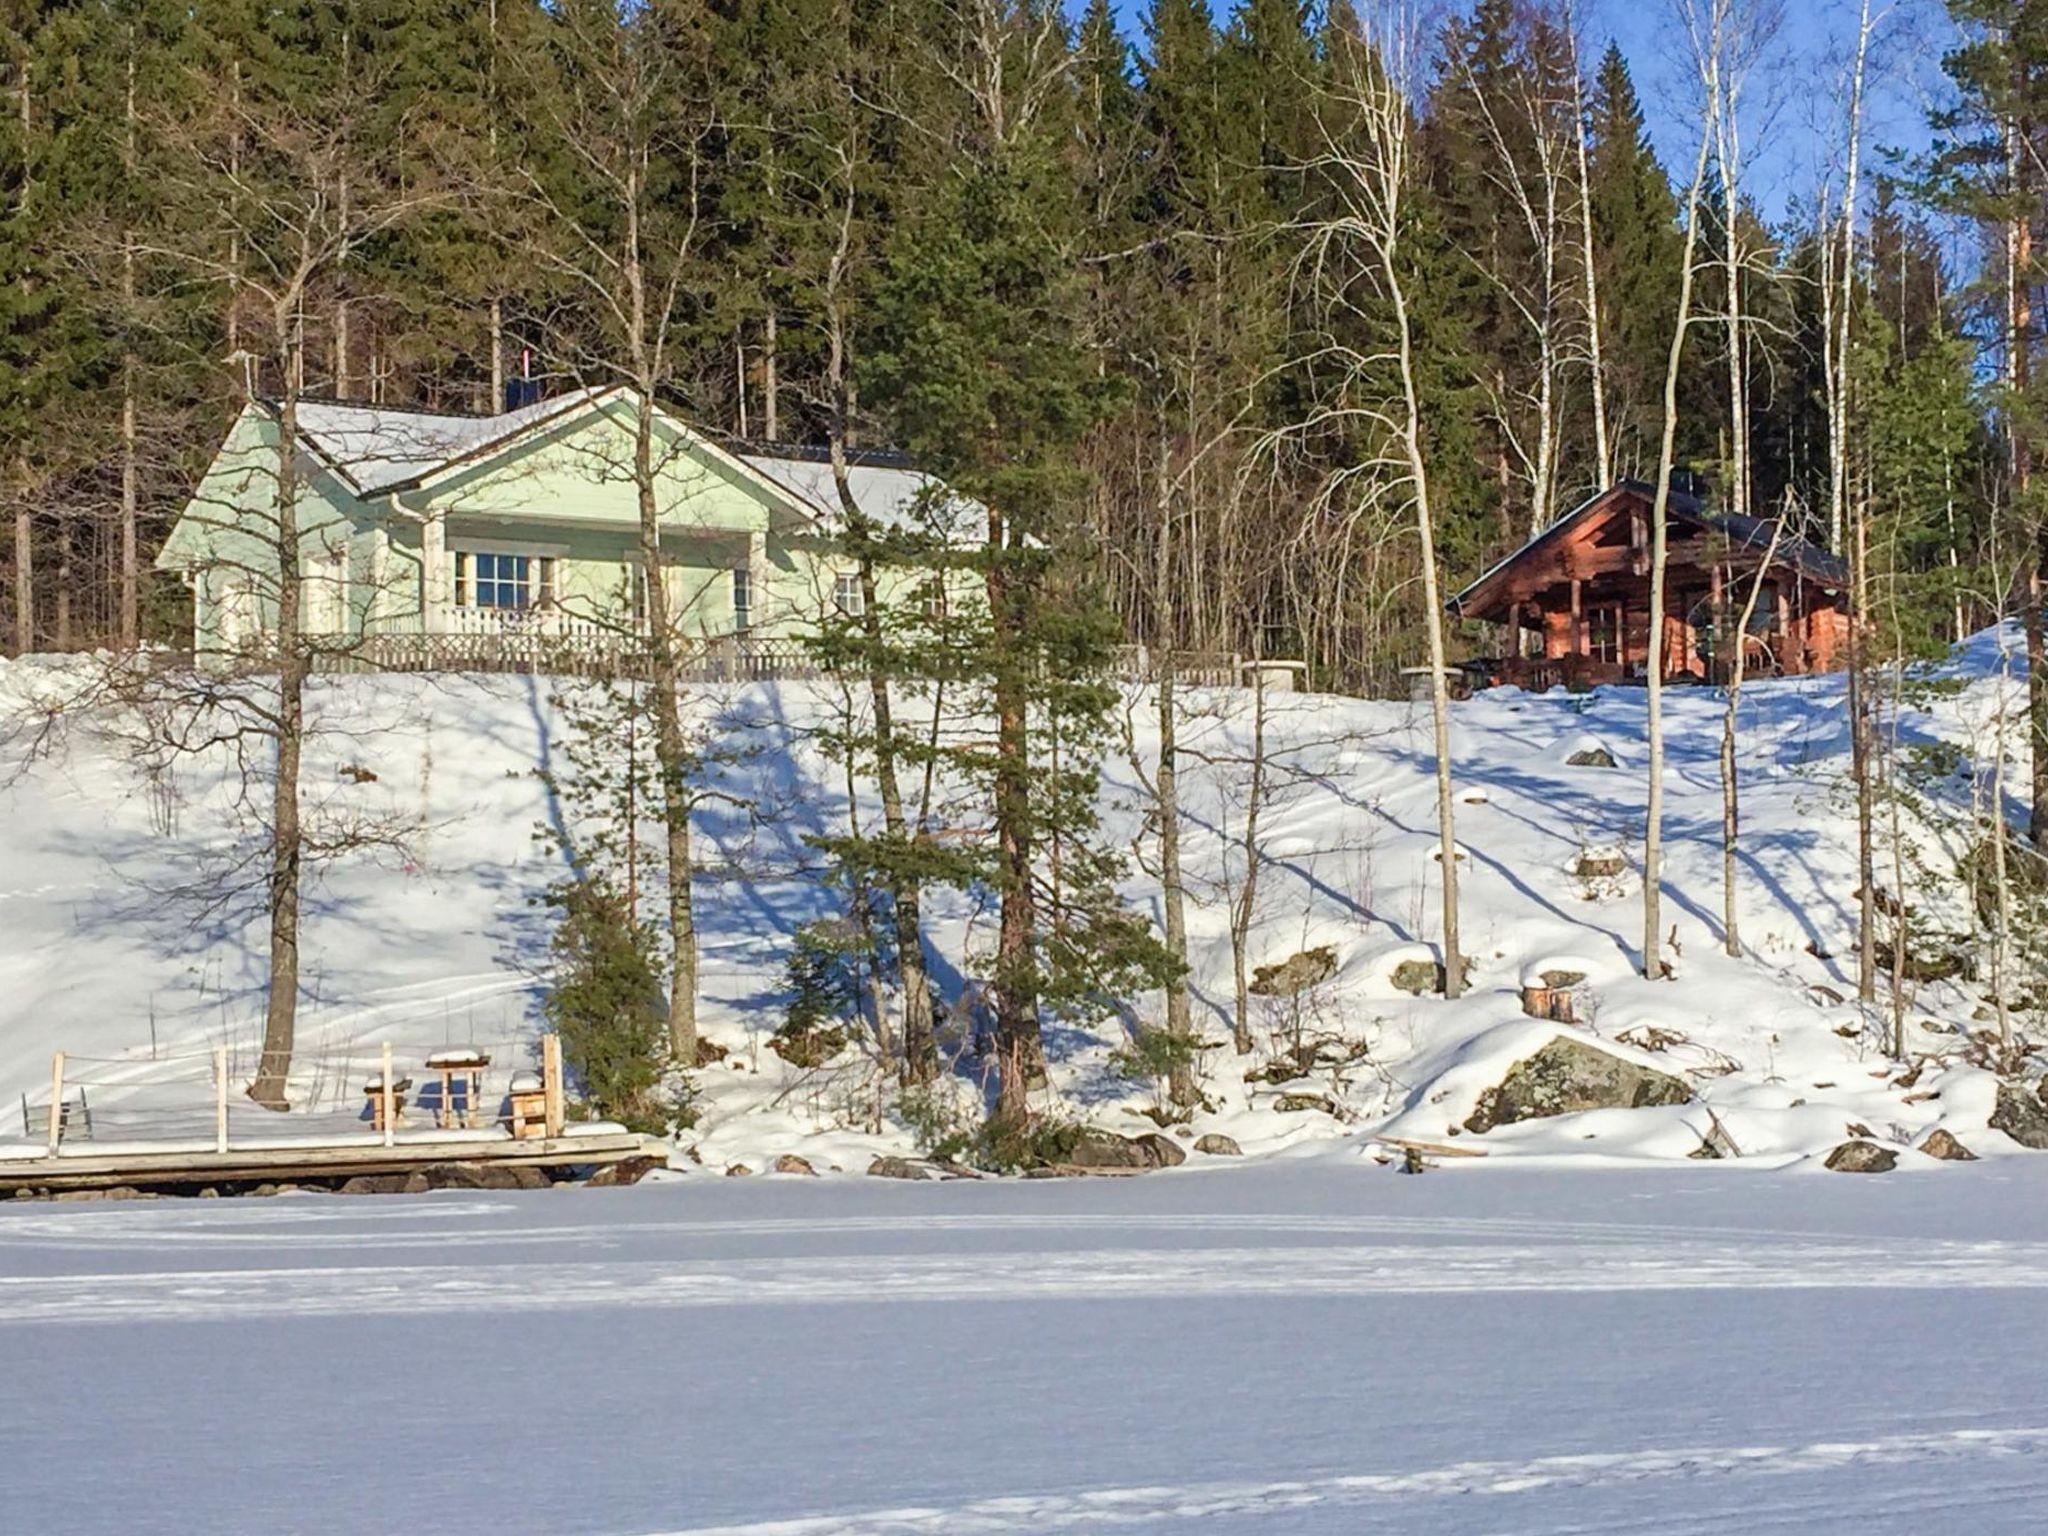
x=1574 y=602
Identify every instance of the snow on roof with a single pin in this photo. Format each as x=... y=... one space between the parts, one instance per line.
x=380 y=448
x=893 y=494
x=383 y=448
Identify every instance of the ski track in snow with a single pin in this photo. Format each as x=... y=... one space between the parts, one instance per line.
x=1092 y=1275
x=1118 y=1508
x=264 y=1222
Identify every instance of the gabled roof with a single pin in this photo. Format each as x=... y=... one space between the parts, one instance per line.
x=377 y=450
x=887 y=489
x=1794 y=553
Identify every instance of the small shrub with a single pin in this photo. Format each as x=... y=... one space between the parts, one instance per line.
x=606 y=1004
x=823 y=974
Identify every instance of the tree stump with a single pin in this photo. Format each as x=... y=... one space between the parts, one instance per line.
x=1547 y=1002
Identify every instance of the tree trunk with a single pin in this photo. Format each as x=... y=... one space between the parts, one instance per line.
x=497 y=400
x=671 y=749
x=1019 y=1052
x=1653 y=816
x=130 y=579
x=280 y=1022
x=1246 y=905
x=1731 y=787
x=771 y=386
x=1860 y=767
x=24 y=567
x=1602 y=450
x=66 y=533
x=920 y=1045
x=1166 y=786
x=1432 y=600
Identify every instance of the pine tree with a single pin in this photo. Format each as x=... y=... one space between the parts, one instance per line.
x=981 y=367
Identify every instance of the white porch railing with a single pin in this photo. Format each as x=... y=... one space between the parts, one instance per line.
x=547 y=623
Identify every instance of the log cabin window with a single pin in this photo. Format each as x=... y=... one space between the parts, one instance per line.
x=1603 y=632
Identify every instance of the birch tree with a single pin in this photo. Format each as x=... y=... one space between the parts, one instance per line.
x=614 y=177
x=275 y=190
x=1358 y=258
x=1709 y=36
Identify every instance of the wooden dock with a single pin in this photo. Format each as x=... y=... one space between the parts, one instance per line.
x=310 y=1161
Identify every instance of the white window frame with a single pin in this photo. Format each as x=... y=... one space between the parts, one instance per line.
x=541 y=576
x=324 y=592
x=742 y=599
x=847 y=596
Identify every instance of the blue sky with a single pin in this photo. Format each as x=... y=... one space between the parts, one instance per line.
x=1793 y=106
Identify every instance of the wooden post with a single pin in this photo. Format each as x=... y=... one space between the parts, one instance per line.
x=1723 y=659
x=551 y=1081
x=1578 y=618
x=390 y=1112
x=220 y=1098
x=56 y=1101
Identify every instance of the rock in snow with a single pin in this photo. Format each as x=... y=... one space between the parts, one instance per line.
x=1215 y=1144
x=1862 y=1157
x=629 y=1170
x=2022 y=1116
x=1106 y=1149
x=1941 y=1144
x=905 y=1168
x=1295 y=974
x=1567 y=1076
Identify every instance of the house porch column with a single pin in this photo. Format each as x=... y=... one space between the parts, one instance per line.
x=433 y=576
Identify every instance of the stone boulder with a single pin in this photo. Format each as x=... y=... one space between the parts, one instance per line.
x=1097 y=1149
x=1301 y=1103
x=903 y=1168
x=385 y=1184
x=629 y=1170
x=1941 y=1144
x=1417 y=978
x=1591 y=755
x=2021 y=1115
x=476 y=1176
x=116 y=1192
x=1295 y=974
x=1862 y=1157
x=1568 y=1076
x=1216 y=1144
x=1166 y=1152
x=789 y=1162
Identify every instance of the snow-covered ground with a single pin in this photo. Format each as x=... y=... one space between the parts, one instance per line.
x=1305 y=1344
x=442 y=944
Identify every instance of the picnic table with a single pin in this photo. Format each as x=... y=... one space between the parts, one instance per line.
x=465 y=1066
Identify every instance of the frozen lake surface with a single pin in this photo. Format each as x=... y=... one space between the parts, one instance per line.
x=1309 y=1345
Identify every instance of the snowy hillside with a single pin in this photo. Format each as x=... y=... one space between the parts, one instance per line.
x=442 y=944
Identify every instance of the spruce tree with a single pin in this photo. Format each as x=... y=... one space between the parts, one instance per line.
x=1635 y=224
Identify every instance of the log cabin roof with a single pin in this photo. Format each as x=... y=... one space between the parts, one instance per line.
x=1799 y=555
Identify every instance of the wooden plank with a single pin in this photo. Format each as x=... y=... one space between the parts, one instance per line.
x=317 y=1160
x=1433 y=1148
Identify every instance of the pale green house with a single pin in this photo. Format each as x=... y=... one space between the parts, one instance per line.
x=435 y=539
